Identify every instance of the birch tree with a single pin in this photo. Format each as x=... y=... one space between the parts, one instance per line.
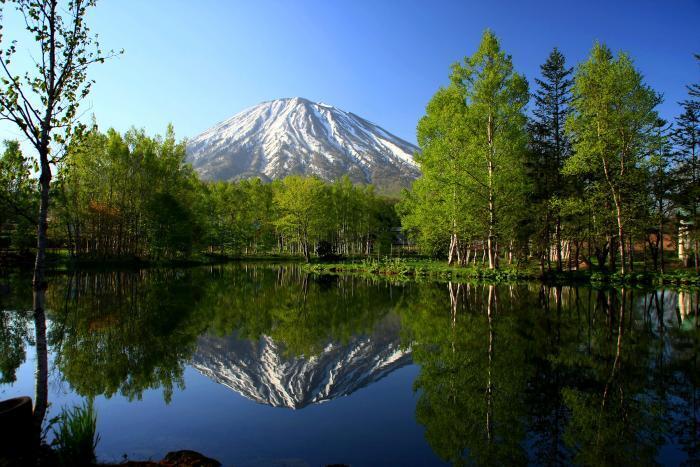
x=613 y=118
x=494 y=98
x=42 y=102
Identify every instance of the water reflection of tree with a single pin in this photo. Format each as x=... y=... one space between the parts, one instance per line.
x=509 y=374
x=473 y=372
x=682 y=373
x=616 y=415
x=547 y=375
x=300 y=312
x=14 y=326
x=126 y=332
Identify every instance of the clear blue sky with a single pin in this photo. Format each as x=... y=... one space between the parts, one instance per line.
x=195 y=63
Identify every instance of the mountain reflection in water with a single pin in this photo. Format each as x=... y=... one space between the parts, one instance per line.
x=260 y=370
x=507 y=374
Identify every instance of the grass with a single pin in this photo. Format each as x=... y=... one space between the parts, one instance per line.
x=75 y=435
x=434 y=269
x=422 y=268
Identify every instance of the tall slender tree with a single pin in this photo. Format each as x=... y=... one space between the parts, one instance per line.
x=444 y=195
x=613 y=117
x=495 y=97
x=551 y=145
x=473 y=138
x=42 y=102
x=686 y=139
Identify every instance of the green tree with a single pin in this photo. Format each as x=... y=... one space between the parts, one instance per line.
x=686 y=139
x=302 y=203
x=442 y=195
x=43 y=103
x=495 y=98
x=128 y=196
x=551 y=147
x=613 y=116
x=474 y=138
x=661 y=187
x=17 y=198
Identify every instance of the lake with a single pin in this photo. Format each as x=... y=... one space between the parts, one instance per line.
x=262 y=364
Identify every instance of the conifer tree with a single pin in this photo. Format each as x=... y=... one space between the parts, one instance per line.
x=686 y=139
x=551 y=147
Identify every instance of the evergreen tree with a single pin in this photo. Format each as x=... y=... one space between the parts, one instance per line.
x=686 y=139
x=661 y=184
x=551 y=147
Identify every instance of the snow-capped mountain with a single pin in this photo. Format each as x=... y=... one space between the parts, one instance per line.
x=260 y=371
x=296 y=136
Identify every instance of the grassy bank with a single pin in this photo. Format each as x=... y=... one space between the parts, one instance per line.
x=433 y=269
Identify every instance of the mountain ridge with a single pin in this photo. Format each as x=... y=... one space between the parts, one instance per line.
x=289 y=136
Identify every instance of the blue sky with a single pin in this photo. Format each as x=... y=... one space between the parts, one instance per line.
x=195 y=63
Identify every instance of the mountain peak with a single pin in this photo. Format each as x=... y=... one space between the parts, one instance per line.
x=297 y=136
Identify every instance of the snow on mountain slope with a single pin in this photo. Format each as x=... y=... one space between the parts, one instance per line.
x=296 y=136
x=260 y=371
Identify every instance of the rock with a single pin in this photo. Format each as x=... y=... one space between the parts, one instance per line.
x=16 y=426
x=188 y=458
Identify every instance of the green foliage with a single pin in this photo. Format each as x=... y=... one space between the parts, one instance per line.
x=611 y=125
x=127 y=196
x=126 y=332
x=76 y=438
x=301 y=203
x=18 y=200
x=14 y=334
x=549 y=149
x=473 y=145
x=133 y=196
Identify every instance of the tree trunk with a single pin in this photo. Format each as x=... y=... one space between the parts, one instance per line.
x=620 y=233
x=557 y=233
x=453 y=254
x=493 y=257
x=39 y=286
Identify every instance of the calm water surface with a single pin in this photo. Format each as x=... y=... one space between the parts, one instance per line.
x=265 y=365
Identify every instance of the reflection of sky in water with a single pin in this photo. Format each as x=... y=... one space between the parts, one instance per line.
x=373 y=425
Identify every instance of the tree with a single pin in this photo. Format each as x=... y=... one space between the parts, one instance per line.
x=473 y=138
x=444 y=195
x=686 y=139
x=660 y=189
x=17 y=197
x=43 y=103
x=302 y=202
x=613 y=116
x=551 y=146
x=128 y=196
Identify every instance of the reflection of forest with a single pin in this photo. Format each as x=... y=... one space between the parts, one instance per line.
x=508 y=374
x=533 y=374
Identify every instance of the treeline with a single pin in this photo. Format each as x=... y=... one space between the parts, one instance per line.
x=591 y=175
x=131 y=195
x=297 y=215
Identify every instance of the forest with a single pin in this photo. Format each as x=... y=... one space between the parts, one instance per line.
x=577 y=171
x=134 y=196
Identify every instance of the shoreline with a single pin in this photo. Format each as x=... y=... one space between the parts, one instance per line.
x=395 y=268
x=439 y=270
